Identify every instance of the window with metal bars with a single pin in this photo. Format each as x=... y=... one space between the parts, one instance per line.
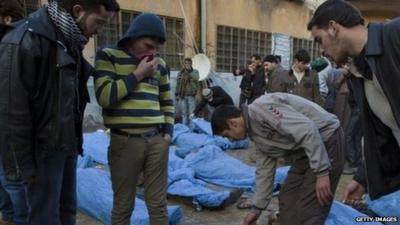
x=236 y=45
x=309 y=45
x=172 y=51
x=110 y=34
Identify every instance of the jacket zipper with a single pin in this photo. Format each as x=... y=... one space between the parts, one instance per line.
x=18 y=170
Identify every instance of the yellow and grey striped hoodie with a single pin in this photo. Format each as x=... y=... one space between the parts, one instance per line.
x=126 y=102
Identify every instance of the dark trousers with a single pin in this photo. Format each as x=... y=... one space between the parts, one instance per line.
x=52 y=195
x=298 y=203
x=353 y=140
x=128 y=158
x=13 y=199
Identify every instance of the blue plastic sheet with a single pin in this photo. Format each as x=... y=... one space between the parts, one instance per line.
x=188 y=141
x=96 y=145
x=213 y=165
x=182 y=182
x=95 y=199
x=85 y=162
x=189 y=180
x=388 y=205
x=342 y=214
x=281 y=174
x=202 y=126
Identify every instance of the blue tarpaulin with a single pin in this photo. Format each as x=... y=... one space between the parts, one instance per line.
x=96 y=145
x=342 y=214
x=95 y=199
x=85 y=162
x=187 y=141
x=202 y=126
x=182 y=182
x=388 y=205
x=187 y=177
x=213 y=165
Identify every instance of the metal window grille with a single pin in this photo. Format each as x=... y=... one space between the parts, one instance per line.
x=171 y=51
x=110 y=34
x=309 y=45
x=235 y=46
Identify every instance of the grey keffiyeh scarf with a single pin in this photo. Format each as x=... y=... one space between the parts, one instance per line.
x=66 y=24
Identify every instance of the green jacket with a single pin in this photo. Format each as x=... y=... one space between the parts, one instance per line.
x=187 y=83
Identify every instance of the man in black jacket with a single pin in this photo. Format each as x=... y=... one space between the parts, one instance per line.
x=13 y=203
x=339 y=29
x=43 y=95
x=213 y=96
x=253 y=82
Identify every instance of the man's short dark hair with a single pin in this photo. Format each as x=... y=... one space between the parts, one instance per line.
x=188 y=60
x=13 y=8
x=270 y=58
x=255 y=56
x=337 y=10
x=92 y=5
x=220 y=117
x=302 y=56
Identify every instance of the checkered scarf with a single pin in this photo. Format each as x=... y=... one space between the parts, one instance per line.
x=67 y=25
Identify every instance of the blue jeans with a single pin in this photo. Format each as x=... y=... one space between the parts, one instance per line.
x=52 y=195
x=187 y=105
x=13 y=199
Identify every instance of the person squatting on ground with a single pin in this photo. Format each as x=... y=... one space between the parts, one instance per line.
x=212 y=97
x=339 y=29
x=134 y=90
x=285 y=125
x=43 y=97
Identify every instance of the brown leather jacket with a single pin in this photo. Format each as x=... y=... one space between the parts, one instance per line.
x=275 y=80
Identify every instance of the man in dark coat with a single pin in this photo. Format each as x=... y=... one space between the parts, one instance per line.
x=13 y=203
x=43 y=95
x=339 y=29
x=301 y=80
x=274 y=73
x=253 y=82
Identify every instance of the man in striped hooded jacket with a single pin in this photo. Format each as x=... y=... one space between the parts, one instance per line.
x=133 y=88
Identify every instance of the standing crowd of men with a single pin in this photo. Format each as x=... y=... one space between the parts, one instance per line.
x=296 y=113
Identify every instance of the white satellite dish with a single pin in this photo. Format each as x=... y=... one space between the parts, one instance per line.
x=202 y=64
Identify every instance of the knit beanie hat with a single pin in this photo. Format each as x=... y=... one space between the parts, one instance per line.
x=270 y=58
x=145 y=25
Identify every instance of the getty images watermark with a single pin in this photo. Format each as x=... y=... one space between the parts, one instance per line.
x=385 y=219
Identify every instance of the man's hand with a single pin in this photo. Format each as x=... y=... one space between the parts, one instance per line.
x=145 y=69
x=167 y=138
x=353 y=193
x=323 y=190
x=250 y=219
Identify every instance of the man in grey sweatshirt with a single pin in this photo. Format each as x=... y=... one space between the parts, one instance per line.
x=285 y=125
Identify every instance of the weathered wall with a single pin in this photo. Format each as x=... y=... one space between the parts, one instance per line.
x=279 y=16
x=275 y=16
